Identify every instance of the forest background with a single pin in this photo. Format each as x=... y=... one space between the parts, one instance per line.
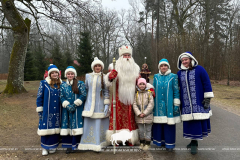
x=72 y=32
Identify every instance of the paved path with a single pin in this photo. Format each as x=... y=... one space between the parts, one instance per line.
x=222 y=143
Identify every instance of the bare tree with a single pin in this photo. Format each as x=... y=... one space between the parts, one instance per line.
x=59 y=11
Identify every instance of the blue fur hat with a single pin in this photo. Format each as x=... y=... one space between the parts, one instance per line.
x=52 y=68
x=164 y=61
x=70 y=69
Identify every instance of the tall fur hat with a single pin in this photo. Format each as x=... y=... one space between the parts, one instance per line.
x=125 y=49
x=97 y=61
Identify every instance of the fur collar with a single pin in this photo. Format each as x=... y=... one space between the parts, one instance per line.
x=96 y=73
x=167 y=73
x=69 y=83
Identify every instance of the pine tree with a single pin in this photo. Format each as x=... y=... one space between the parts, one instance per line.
x=58 y=58
x=68 y=57
x=85 y=54
x=40 y=62
x=29 y=68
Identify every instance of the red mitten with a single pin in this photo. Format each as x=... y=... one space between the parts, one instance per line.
x=153 y=92
x=112 y=75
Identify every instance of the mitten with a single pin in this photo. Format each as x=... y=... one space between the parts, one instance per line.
x=70 y=108
x=106 y=109
x=206 y=103
x=112 y=75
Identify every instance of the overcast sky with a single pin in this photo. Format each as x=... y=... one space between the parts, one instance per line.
x=116 y=4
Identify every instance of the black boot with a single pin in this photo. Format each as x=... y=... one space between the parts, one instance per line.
x=194 y=147
x=169 y=149
x=69 y=150
x=189 y=145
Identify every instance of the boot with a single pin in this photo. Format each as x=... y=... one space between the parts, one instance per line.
x=194 y=147
x=129 y=144
x=147 y=145
x=69 y=150
x=52 y=150
x=44 y=152
x=169 y=149
x=142 y=143
x=189 y=145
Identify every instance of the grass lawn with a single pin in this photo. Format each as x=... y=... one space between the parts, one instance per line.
x=227 y=97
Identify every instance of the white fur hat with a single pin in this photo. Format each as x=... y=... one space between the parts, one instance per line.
x=70 y=69
x=125 y=49
x=97 y=61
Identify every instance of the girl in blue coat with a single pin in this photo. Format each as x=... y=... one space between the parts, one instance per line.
x=196 y=92
x=49 y=110
x=73 y=95
x=166 y=110
x=96 y=110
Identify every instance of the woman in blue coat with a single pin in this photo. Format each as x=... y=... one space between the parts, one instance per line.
x=96 y=110
x=196 y=92
x=73 y=95
x=166 y=112
x=49 y=110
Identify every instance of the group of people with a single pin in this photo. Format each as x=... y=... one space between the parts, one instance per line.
x=80 y=114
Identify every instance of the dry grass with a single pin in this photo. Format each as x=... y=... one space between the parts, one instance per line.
x=227 y=97
x=2 y=85
x=18 y=116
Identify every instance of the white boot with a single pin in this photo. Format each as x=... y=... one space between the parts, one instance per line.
x=44 y=152
x=52 y=150
x=147 y=145
x=141 y=146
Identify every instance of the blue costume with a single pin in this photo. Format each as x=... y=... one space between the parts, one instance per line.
x=96 y=122
x=49 y=110
x=72 y=121
x=166 y=110
x=195 y=85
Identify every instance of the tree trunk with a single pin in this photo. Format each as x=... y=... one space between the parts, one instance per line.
x=20 y=29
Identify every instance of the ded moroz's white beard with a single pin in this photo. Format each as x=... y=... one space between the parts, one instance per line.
x=128 y=72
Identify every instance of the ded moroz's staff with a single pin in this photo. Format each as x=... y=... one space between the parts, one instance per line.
x=114 y=104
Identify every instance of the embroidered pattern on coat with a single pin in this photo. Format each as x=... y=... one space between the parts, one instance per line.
x=90 y=138
x=40 y=90
x=103 y=134
x=187 y=108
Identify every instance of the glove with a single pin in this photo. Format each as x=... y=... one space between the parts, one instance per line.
x=78 y=102
x=106 y=109
x=70 y=108
x=206 y=103
x=153 y=92
x=175 y=110
x=112 y=75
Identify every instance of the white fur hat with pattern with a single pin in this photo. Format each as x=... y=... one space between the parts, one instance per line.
x=125 y=49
